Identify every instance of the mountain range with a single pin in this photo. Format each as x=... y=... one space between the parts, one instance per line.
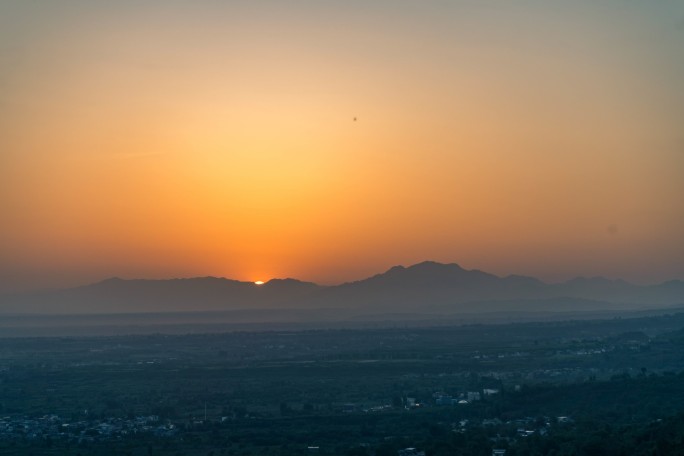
x=425 y=288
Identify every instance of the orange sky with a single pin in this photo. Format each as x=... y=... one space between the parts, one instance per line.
x=174 y=139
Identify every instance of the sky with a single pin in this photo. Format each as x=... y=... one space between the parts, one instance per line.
x=329 y=141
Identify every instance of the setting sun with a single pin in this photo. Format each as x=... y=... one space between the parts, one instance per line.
x=149 y=153
x=259 y=282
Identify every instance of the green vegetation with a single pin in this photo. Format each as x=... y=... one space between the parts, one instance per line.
x=582 y=387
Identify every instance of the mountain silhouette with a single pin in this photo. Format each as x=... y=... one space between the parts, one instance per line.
x=427 y=287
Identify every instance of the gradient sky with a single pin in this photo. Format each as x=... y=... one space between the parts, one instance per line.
x=183 y=138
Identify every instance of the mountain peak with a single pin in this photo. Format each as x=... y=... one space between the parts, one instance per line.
x=288 y=282
x=426 y=266
x=434 y=266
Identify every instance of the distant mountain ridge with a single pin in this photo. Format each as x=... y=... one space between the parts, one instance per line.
x=426 y=287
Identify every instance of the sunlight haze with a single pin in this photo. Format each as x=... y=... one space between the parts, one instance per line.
x=328 y=141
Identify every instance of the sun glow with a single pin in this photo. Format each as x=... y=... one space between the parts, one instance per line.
x=259 y=282
x=132 y=152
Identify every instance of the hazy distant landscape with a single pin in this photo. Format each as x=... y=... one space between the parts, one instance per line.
x=425 y=288
x=452 y=361
x=425 y=294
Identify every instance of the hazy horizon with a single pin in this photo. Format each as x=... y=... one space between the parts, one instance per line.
x=74 y=283
x=331 y=141
x=379 y=272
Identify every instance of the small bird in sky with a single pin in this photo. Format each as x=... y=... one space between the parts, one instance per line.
x=354 y=119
